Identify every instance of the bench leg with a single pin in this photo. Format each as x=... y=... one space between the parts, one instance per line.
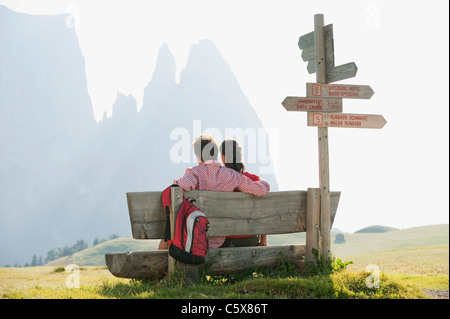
x=312 y=223
x=191 y=274
x=188 y=273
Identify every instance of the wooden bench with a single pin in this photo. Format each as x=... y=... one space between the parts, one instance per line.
x=229 y=213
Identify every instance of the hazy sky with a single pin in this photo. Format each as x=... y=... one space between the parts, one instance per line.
x=397 y=176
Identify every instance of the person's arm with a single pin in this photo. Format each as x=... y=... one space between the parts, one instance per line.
x=253 y=177
x=257 y=188
x=188 y=181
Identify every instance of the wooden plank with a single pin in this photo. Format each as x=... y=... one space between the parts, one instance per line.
x=337 y=73
x=329 y=46
x=150 y=265
x=341 y=72
x=233 y=213
x=309 y=54
x=153 y=265
x=147 y=215
x=312 y=223
x=307 y=40
x=307 y=104
x=232 y=260
x=311 y=67
x=307 y=45
x=346 y=120
x=229 y=213
x=347 y=91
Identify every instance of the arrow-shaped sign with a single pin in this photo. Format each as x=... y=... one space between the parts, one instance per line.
x=345 y=120
x=306 y=43
x=347 y=91
x=341 y=72
x=316 y=104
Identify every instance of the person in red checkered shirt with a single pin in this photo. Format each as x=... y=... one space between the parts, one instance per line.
x=210 y=175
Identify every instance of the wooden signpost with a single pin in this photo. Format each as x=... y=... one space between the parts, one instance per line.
x=324 y=106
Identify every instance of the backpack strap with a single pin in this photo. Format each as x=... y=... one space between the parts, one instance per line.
x=166 y=204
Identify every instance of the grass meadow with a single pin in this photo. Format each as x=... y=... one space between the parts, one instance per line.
x=414 y=272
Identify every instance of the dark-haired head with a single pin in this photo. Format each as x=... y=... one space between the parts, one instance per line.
x=232 y=155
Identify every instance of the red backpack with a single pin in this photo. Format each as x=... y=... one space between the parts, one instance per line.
x=189 y=244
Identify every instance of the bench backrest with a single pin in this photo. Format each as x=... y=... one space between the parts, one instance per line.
x=229 y=213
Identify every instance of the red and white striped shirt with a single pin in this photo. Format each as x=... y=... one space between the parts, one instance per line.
x=211 y=176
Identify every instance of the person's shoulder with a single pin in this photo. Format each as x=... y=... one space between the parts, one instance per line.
x=207 y=166
x=230 y=171
x=193 y=169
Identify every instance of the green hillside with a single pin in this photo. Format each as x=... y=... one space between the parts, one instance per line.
x=355 y=244
x=95 y=256
x=364 y=243
x=376 y=229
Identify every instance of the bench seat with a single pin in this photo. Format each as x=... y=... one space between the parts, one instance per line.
x=152 y=265
x=229 y=213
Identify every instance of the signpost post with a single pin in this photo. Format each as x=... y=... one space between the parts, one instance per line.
x=324 y=106
x=324 y=164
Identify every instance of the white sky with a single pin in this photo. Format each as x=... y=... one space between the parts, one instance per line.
x=397 y=176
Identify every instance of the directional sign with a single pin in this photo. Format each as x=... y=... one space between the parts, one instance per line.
x=347 y=91
x=341 y=72
x=306 y=43
x=307 y=40
x=345 y=120
x=316 y=104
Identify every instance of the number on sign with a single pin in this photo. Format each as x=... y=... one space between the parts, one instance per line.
x=317 y=90
x=318 y=119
